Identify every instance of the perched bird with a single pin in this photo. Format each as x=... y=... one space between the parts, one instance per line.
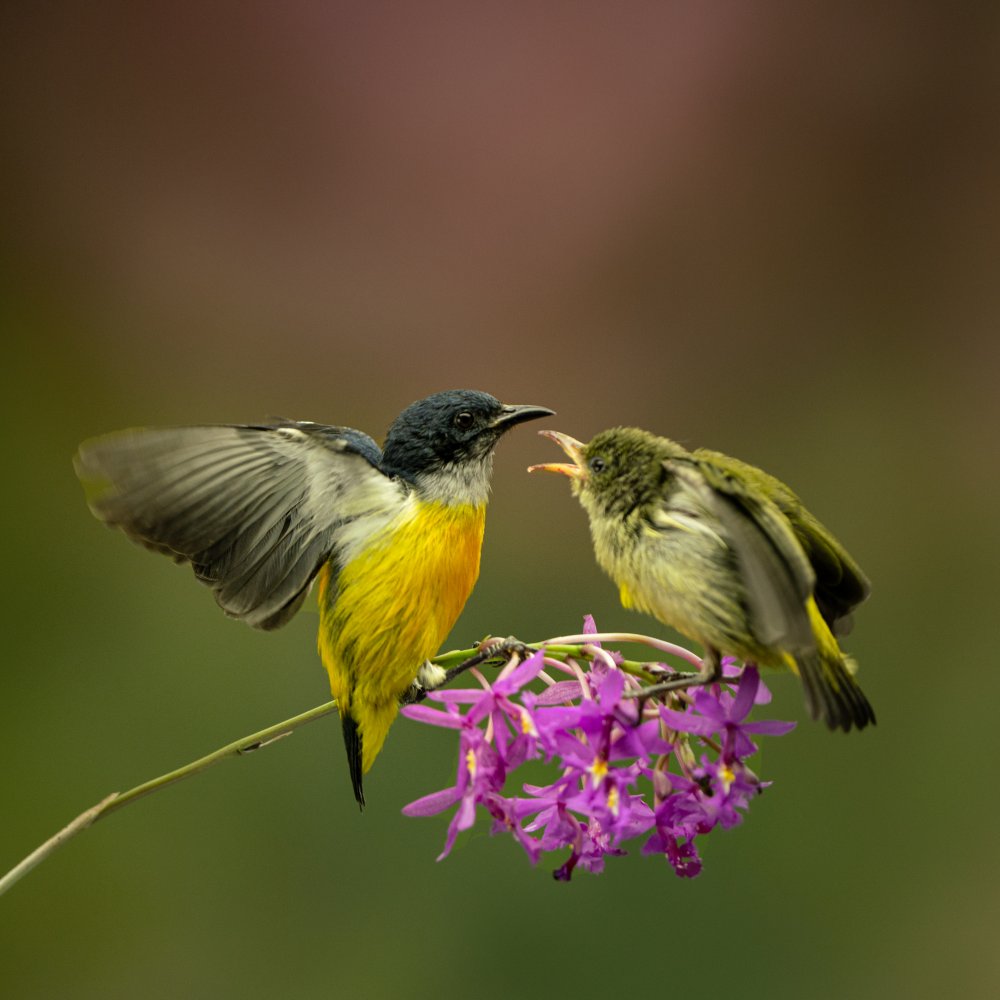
x=392 y=537
x=727 y=555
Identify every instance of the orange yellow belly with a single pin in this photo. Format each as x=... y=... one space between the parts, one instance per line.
x=392 y=606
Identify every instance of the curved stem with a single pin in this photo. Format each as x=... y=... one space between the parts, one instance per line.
x=463 y=658
x=456 y=661
x=37 y=856
x=116 y=801
x=646 y=640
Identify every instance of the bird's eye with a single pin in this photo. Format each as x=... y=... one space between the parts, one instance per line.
x=464 y=420
x=597 y=465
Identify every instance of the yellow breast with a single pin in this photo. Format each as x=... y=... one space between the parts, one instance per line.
x=393 y=605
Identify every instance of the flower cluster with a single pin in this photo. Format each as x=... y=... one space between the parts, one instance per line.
x=668 y=771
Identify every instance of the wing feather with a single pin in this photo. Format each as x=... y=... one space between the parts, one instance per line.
x=841 y=585
x=776 y=573
x=256 y=510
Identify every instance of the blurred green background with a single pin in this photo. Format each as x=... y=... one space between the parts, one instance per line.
x=771 y=229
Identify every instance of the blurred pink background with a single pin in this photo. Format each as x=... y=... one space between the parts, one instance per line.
x=771 y=229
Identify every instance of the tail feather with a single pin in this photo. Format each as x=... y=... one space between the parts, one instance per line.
x=352 y=741
x=832 y=693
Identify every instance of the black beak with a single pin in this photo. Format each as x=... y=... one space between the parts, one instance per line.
x=511 y=414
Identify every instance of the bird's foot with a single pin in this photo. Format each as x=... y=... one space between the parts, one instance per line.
x=491 y=648
x=711 y=671
x=430 y=676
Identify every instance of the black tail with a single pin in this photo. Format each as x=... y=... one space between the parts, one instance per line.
x=352 y=740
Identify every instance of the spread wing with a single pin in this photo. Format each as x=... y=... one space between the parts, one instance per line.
x=775 y=571
x=256 y=511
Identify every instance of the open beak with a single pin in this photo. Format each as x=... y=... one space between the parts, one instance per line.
x=572 y=447
x=512 y=414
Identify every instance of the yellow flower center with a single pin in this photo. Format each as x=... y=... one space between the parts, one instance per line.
x=728 y=777
x=470 y=762
x=613 y=800
x=598 y=770
x=528 y=724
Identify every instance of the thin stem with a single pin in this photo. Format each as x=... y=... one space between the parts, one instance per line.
x=645 y=640
x=238 y=748
x=462 y=658
x=115 y=801
x=456 y=661
x=37 y=856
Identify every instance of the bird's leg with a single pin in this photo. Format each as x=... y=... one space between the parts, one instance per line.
x=430 y=676
x=711 y=671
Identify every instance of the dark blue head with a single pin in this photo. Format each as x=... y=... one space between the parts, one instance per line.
x=450 y=429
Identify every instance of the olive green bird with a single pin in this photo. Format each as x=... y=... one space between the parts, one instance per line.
x=727 y=555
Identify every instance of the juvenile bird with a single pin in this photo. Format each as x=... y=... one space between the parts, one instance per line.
x=727 y=555
x=391 y=536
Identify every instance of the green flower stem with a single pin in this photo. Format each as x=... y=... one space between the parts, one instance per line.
x=239 y=748
x=452 y=661
x=455 y=656
x=117 y=801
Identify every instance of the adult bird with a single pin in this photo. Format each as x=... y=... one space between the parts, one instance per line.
x=726 y=554
x=391 y=536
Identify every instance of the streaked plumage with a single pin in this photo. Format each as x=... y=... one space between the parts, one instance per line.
x=726 y=554
x=261 y=511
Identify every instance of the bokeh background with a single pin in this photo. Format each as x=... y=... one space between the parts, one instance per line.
x=768 y=228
